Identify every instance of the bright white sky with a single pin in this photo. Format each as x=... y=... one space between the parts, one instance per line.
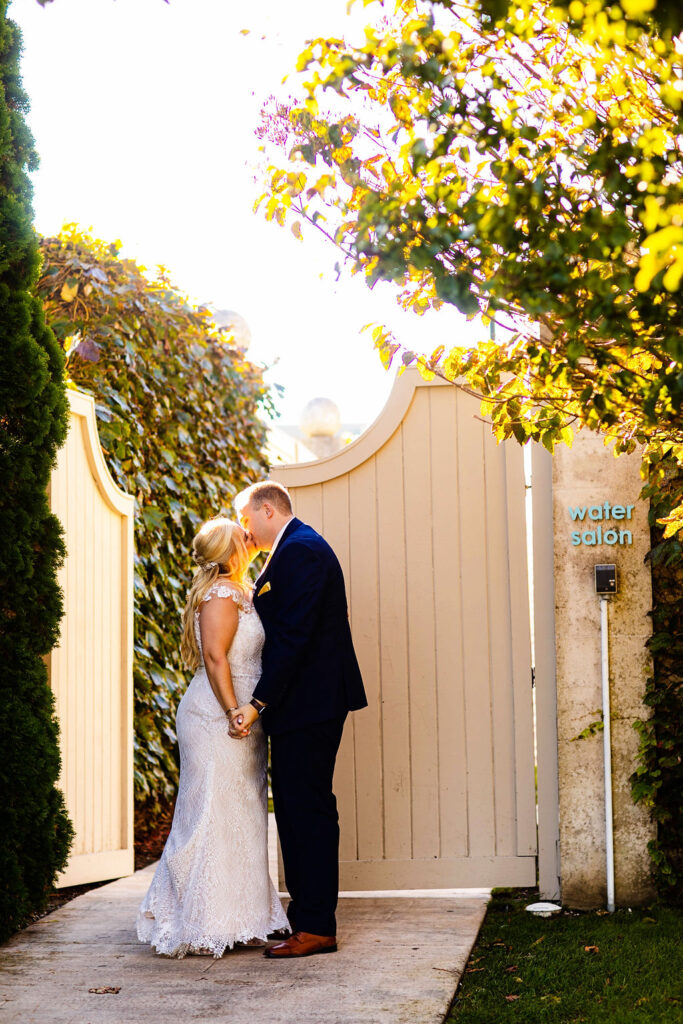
x=144 y=114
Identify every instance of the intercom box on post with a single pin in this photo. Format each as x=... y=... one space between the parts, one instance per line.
x=605 y=579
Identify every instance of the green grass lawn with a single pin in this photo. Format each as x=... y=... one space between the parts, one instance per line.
x=625 y=968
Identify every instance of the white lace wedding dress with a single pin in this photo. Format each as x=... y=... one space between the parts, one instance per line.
x=211 y=888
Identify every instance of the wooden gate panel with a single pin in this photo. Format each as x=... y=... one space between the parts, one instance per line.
x=475 y=632
x=446 y=523
x=91 y=667
x=502 y=751
x=520 y=629
x=419 y=587
x=335 y=527
x=393 y=652
x=435 y=779
x=363 y=589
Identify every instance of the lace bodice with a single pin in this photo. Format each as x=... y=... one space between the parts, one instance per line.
x=244 y=656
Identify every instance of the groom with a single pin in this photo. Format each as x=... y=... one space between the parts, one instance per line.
x=309 y=681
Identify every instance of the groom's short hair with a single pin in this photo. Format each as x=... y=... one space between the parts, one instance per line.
x=268 y=490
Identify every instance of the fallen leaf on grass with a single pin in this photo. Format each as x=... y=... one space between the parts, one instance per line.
x=513 y=968
x=474 y=970
x=540 y=939
x=591 y=949
x=511 y=999
x=106 y=990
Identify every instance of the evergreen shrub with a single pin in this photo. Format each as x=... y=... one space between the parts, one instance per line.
x=36 y=833
x=177 y=409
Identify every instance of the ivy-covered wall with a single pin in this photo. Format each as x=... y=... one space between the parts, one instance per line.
x=177 y=409
x=658 y=780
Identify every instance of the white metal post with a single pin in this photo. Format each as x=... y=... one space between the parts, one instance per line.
x=607 y=748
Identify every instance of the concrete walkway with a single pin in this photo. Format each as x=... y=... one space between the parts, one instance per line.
x=399 y=962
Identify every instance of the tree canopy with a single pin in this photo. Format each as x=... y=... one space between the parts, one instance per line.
x=520 y=161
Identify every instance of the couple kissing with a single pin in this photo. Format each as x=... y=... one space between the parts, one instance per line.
x=271 y=662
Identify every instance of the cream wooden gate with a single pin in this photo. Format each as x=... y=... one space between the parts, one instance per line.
x=435 y=779
x=91 y=669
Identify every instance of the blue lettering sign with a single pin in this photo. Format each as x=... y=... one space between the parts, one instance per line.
x=598 y=513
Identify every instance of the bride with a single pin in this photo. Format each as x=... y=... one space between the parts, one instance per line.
x=211 y=888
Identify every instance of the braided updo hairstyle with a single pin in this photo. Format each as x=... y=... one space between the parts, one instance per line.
x=218 y=549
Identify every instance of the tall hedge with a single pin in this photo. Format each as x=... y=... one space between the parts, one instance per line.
x=177 y=409
x=35 y=833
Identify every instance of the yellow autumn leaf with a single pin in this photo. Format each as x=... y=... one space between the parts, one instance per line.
x=674 y=275
x=399 y=107
x=650 y=215
x=296 y=230
x=272 y=208
x=69 y=292
x=637 y=8
x=424 y=371
x=296 y=183
x=342 y=154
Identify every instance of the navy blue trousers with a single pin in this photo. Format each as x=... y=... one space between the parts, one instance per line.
x=302 y=766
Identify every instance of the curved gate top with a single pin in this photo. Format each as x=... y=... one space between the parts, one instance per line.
x=435 y=779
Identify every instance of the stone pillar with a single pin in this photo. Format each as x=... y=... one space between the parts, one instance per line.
x=614 y=529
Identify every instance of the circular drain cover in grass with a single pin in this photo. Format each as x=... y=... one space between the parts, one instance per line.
x=544 y=909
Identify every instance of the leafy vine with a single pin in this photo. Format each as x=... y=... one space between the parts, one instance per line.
x=177 y=407
x=658 y=779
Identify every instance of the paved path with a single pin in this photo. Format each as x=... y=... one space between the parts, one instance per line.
x=399 y=962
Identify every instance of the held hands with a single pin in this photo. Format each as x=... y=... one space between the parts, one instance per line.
x=235 y=724
x=241 y=720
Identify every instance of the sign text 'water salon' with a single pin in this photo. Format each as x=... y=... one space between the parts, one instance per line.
x=594 y=517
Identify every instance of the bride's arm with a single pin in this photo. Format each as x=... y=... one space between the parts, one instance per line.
x=218 y=624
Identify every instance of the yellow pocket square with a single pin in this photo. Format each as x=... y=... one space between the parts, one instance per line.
x=264 y=589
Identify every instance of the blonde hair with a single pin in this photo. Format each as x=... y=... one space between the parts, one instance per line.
x=218 y=548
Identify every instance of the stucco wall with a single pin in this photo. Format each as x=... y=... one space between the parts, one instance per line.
x=587 y=476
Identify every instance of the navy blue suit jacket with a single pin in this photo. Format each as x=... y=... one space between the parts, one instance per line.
x=309 y=671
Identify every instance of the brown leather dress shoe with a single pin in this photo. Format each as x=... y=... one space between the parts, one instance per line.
x=302 y=944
